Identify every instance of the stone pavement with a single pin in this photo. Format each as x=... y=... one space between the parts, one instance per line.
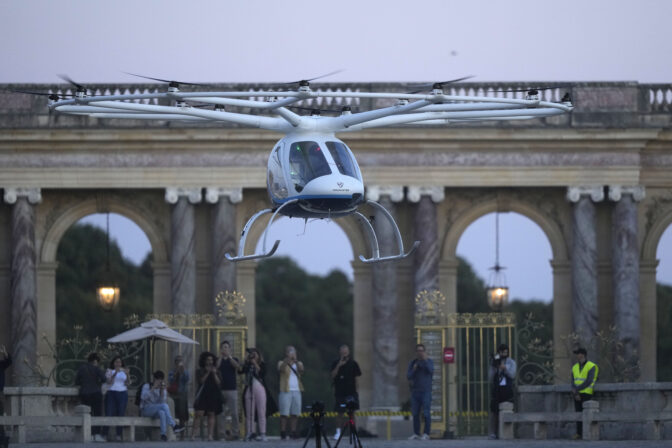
x=375 y=443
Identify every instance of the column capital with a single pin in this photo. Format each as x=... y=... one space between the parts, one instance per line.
x=415 y=192
x=374 y=192
x=638 y=192
x=212 y=194
x=596 y=193
x=34 y=195
x=173 y=194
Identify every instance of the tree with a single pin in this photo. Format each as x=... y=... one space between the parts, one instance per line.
x=82 y=260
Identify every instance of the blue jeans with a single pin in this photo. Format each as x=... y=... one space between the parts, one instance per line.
x=421 y=399
x=160 y=411
x=115 y=406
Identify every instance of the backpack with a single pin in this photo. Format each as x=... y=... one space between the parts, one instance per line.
x=138 y=394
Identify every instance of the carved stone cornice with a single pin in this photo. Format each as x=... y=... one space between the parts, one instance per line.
x=34 y=195
x=212 y=194
x=638 y=192
x=416 y=192
x=596 y=193
x=374 y=192
x=173 y=194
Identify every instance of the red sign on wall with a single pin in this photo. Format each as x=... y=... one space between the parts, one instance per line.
x=448 y=355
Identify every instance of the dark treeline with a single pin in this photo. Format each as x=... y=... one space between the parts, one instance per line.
x=312 y=313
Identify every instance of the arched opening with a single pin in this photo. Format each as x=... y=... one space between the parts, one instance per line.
x=83 y=263
x=304 y=298
x=664 y=306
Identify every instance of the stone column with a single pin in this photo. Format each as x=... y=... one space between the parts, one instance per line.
x=584 y=262
x=23 y=289
x=385 y=332
x=426 y=262
x=224 y=240
x=183 y=256
x=625 y=273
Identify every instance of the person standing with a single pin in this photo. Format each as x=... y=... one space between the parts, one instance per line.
x=153 y=404
x=4 y=365
x=419 y=374
x=208 y=401
x=116 y=399
x=254 y=370
x=178 y=386
x=344 y=372
x=289 y=397
x=89 y=378
x=502 y=377
x=227 y=366
x=584 y=376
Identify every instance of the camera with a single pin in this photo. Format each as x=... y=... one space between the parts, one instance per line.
x=317 y=407
x=350 y=403
x=495 y=360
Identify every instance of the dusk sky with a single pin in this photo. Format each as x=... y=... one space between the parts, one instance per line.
x=394 y=41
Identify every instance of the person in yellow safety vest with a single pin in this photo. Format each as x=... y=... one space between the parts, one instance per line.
x=584 y=376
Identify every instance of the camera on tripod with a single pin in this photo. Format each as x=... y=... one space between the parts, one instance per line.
x=316 y=408
x=350 y=403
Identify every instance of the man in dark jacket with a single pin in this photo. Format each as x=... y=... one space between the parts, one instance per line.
x=89 y=378
x=4 y=364
x=419 y=374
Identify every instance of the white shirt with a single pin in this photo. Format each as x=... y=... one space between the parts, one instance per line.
x=119 y=383
x=293 y=379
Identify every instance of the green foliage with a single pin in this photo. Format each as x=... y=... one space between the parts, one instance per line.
x=471 y=290
x=312 y=313
x=664 y=316
x=81 y=260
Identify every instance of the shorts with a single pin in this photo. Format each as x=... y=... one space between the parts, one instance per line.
x=289 y=403
x=341 y=404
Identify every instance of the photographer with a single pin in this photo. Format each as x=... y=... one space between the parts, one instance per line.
x=419 y=374
x=227 y=366
x=153 y=404
x=344 y=372
x=289 y=397
x=178 y=385
x=208 y=401
x=255 y=396
x=502 y=377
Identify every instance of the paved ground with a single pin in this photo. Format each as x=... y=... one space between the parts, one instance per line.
x=375 y=443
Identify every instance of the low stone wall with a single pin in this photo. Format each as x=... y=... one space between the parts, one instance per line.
x=616 y=397
x=48 y=401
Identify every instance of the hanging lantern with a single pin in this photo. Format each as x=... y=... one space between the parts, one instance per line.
x=498 y=292
x=107 y=293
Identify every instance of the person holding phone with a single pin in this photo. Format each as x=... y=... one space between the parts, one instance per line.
x=153 y=404
x=344 y=372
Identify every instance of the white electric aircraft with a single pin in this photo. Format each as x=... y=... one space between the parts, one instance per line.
x=311 y=173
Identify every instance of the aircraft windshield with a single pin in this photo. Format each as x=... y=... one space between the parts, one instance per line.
x=306 y=162
x=341 y=155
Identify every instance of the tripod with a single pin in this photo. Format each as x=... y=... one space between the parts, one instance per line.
x=352 y=430
x=317 y=429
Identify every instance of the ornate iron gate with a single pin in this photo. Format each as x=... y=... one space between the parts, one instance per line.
x=461 y=390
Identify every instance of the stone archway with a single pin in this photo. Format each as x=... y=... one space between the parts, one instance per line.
x=525 y=205
x=648 y=266
x=65 y=211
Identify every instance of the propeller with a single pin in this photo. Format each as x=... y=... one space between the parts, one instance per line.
x=534 y=88
x=306 y=82
x=436 y=85
x=69 y=80
x=171 y=83
x=52 y=96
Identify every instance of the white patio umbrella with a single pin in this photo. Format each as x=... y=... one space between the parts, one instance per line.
x=152 y=329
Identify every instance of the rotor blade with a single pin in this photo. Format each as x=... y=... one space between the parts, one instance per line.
x=427 y=86
x=69 y=80
x=169 y=81
x=310 y=79
x=527 y=89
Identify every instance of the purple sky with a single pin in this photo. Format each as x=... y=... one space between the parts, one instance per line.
x=392 y=40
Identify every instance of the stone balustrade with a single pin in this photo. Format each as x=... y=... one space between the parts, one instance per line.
x=598 y=104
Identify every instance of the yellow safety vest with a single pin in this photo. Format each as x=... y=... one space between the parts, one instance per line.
x=580 y=376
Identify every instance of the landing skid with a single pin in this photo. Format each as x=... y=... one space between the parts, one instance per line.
x=243 y=237
x=373 y=239
x=368 y=228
